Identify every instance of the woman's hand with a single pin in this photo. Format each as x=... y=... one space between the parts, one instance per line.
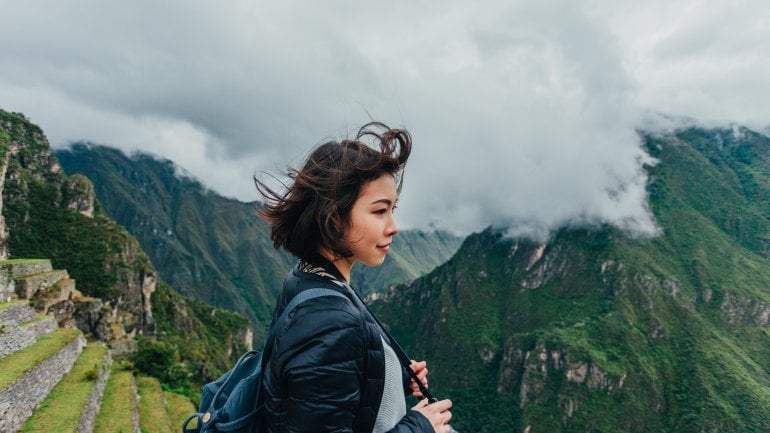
x=421 y=370
x=437 y=413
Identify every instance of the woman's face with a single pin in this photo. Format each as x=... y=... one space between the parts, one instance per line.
x=372 y=225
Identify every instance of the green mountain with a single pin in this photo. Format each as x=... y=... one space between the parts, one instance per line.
x=49 y=215
x=214 y=248
x=599 y=331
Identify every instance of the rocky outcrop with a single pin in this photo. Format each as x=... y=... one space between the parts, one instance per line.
x=528 y=372
x=543 y=265
x=79 y=195
x=742 y=309
x=93 y=317
x=137 y=284
x=5 y=154
x=618 y=279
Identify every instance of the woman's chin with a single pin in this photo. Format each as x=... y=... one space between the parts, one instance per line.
x=374 y=263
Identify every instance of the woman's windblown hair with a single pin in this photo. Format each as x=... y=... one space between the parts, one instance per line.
x=314 y=209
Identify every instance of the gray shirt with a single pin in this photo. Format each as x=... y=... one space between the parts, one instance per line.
x=393 y=406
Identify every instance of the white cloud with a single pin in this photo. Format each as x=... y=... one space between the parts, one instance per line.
x=523 y=113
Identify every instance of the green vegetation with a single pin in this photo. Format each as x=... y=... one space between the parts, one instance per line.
x=20 y=261
x=153 y=417
x=72 y=241
x=116 y=414
x=192 y=343
x=63 y=407
x=179 y=408
x=598 y=330
x=15 y=365
x=37 y=320
x=6 y=305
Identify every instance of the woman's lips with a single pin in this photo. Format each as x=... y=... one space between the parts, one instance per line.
x=384 y=248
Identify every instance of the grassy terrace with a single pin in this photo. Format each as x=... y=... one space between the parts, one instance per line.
x=18 y=261
x=179 y=408
x=152 y=411
x=63 y=407
x=6 y=305
x=37 y=319
x=17 y=364
x=116 y=414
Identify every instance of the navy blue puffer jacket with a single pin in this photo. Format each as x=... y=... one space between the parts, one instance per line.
x=327 y=369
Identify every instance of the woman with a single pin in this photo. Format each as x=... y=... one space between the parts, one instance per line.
x=332 y=369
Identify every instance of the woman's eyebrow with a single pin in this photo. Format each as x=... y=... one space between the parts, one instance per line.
x=384 y=200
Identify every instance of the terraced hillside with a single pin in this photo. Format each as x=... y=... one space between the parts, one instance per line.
x=52 y=379
x=48 y=214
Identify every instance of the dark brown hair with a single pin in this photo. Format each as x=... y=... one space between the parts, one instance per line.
x=314 y=211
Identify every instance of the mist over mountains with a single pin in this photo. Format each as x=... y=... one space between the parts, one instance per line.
x=590 y=329
x=597 y=330
x=540 y=99
x=214 y=248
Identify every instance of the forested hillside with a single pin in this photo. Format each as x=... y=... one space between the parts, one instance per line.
x=597 y=330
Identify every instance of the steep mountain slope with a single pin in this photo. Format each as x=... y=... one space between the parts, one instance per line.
x=598 y=331
x=215 y=248
x=54 y=216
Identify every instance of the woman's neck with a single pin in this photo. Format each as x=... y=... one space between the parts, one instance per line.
x=343 y=264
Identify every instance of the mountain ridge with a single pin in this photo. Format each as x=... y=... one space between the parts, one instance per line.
x=595 y=330
x=215 y=248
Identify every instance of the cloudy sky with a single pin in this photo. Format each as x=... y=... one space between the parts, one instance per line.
x=523 y=112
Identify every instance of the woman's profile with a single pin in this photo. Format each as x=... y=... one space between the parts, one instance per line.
x=332 y=367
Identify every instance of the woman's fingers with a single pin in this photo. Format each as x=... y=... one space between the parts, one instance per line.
x=415 y=365
x=421 y=371
x=437 y=413
x=414 y=385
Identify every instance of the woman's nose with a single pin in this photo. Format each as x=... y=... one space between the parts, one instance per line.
x=392 y=228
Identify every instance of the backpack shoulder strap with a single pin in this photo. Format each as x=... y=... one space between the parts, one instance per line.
x=299 y=298
x=400 y=354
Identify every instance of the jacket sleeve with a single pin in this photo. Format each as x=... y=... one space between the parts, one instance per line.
x=323 y=358
x=413 y=422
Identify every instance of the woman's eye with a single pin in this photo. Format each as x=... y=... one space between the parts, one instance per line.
x=380 y=211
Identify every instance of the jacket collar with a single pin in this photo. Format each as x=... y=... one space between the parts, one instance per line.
x=324 y=268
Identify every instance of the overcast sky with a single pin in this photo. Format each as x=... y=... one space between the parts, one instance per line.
x=522 y=112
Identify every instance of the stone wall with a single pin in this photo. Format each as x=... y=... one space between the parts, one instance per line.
x=14 y=338
x=26 y=287
x=7 y=286
x=17 y=269
x=17 y=314
x=135 y=393
x=91 y=409
x=19 y=400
